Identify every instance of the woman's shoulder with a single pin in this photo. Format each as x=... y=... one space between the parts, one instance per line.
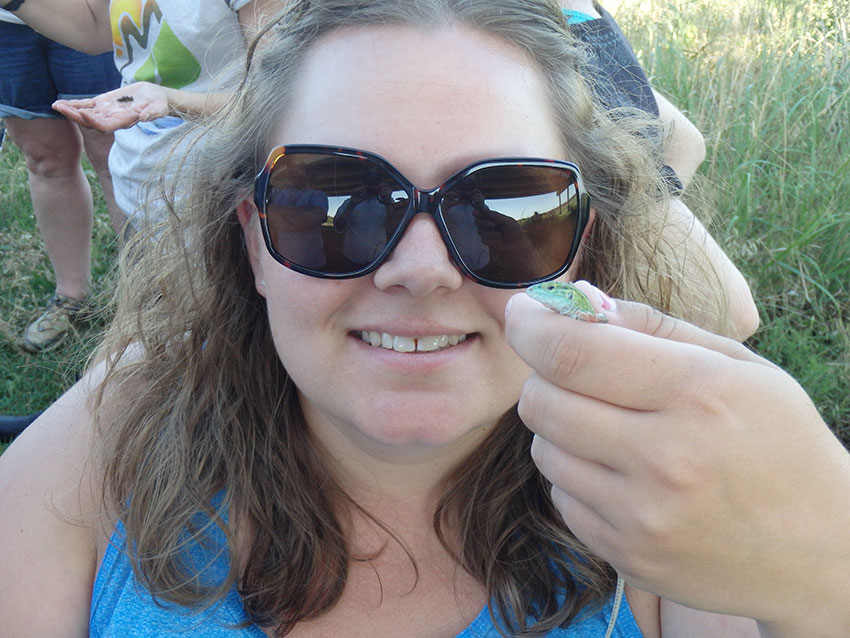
x=57 y=455
x=52 y=457
x=51 y=522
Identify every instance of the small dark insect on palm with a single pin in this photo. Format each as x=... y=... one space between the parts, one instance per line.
x=125 y=98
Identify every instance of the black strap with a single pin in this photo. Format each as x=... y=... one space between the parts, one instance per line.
x=14 y=5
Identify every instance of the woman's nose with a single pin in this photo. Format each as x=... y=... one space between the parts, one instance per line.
x=420 y=262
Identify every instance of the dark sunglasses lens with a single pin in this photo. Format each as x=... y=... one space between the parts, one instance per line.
x=332 y=214
x=513 y=224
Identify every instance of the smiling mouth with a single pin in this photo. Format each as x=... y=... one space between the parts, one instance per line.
x=410 y=344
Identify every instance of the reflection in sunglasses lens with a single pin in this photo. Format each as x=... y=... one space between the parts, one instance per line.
x=332 y=214
x=512 y=223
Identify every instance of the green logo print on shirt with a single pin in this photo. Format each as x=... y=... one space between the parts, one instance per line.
x=168 y=62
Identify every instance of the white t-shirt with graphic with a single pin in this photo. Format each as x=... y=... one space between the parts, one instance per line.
x=181 y=44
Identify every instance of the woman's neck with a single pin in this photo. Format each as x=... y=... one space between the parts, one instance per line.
x=398 y=485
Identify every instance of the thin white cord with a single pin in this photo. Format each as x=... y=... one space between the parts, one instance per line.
x=615 y=610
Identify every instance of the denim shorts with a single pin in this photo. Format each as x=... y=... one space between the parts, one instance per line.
x=35 y=71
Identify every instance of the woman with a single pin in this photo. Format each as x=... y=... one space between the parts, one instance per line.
x=335 y=450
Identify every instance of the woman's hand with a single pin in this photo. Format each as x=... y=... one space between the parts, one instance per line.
x=700 y=471
x=120 y=108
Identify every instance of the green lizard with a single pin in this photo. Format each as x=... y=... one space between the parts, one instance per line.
x=566 y=299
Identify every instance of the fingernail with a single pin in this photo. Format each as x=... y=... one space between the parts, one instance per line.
x=602 y=301
x=605 y=302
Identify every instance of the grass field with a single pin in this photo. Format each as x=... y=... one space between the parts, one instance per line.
x=768 y=83
x=30 y=382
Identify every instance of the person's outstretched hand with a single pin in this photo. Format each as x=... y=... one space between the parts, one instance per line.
x=702 y=472
x=120 y=108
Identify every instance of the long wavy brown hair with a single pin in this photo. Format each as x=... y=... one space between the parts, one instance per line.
x=212 y=412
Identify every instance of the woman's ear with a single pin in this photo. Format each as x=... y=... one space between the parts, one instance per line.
x=246 y=212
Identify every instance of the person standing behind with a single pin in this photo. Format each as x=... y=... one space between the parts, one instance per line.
x=172 y=56
x=168 y=53
x=35 y=72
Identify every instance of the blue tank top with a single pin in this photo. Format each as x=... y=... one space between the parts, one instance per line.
x=123 y=608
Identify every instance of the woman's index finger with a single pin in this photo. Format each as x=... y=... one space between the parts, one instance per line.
x=640 y=359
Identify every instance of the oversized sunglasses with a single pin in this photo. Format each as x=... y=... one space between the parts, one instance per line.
x=336 y=213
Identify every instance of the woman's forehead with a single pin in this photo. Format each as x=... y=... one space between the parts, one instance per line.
x=448 y=91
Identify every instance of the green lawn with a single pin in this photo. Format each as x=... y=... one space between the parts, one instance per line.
x=768 y=83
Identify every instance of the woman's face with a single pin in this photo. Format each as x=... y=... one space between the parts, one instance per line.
x=430 y=102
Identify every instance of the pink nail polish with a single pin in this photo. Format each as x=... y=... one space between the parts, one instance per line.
x=606 y=302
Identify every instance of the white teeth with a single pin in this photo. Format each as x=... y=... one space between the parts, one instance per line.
x=404 y=344
x=429 y=344
x=410 y=344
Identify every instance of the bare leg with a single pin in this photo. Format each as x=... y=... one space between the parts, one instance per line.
x=61 y=197
x=97 y=147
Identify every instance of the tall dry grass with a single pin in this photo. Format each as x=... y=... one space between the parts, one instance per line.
x=768 y=83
